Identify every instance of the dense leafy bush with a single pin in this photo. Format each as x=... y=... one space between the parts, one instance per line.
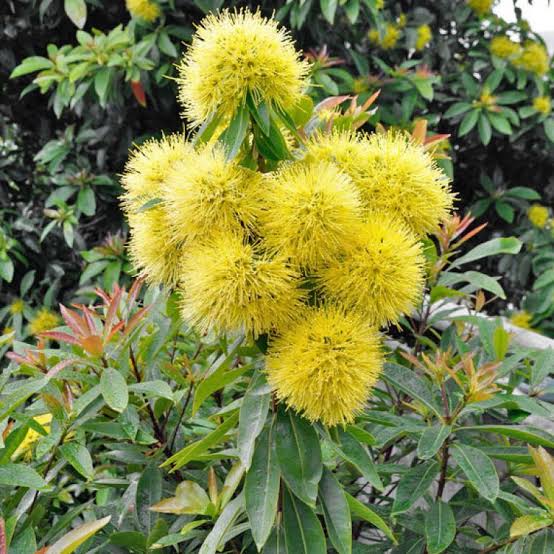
x=233 y=415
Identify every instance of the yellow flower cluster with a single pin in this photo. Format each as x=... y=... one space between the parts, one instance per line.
x=389 y=39
x=147 y=10
x=505 y=48
x=423 y=36
x=533 y=58
x=44 y=320
x=522 y=319
x=542 y=104
x=235 y=53
x=318 y=253
x=538 y=215
x=17 y=306
x=480 y=7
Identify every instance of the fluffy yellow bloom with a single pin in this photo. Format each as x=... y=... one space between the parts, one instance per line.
x=32 y=436
x=312 y=210
x=233 y=53
x=232 y=286
x=143 y=9
x=503 y=47
x=325 y=365
x=480 y=7
x=44 y=320
x=538 y=215
x=542 y=104
x=153 y=249
x=423 y=36
x=381 y=275
x=534 y=58
x=205 y=193
x=17 y=306
x=148 y=167
x=390 y=36
x=402 y=20
x=394 y=175
x=522 y=319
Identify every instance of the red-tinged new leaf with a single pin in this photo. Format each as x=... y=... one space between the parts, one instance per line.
x=60 y=336
x=331 y=102
x=73 y=321
x=112 y=310
x=134 y=291
x=114 y=331
x=59 y=366
x=133 y=322
x=138 y=92
x=371 y=99
x=93 y=345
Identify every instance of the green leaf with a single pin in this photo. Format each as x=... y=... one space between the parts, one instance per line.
x=76 y=10
x=485 y=282
x=303 y=532
x=336 y=513
x=149 y=492
x=149 y=205
x=79 y=457
x=440 y=527
x=523 y=192
x=166 y=46
x=431 y=440
x=299 y=455
x=525 y=433
x=457 y=109
x=407 y=381
x=30 y=65
x=272 y=147
x=253 y=413
x=6 y=270
x=414 y=484
x=260 y=113
x=505 y=211
x=86 y=201
x=261 y=488
x=235 y=134
x=468 y=122
x=494 y=79
x=500 y=123
x=156 y=389
x=21 y=475
x=361 y=511
x=527 y=524
x=478 y=468
x=493 y=247
x=114 y=389
x=355 y=453
x=548 y=126
x=214 y=382
x=198 y=447
x=222 y=526
x=72 y=540
x=484 y=128
x=276 y=542
x=101 y=84
x=328 y=9
x=190 y=498
x=24 y=391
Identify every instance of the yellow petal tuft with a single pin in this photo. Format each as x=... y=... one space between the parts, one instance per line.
x=312 y=210
x=143 y=9
x=233 y=53
x=44 y=320
x=233 y=286
x=205 y=192
x=380 y=276
x=325 y=365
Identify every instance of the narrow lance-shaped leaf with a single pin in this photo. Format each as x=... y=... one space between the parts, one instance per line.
x=336 y=513
x=261 y=488
x=299 y=455
x=414 y=484
x=440 y=527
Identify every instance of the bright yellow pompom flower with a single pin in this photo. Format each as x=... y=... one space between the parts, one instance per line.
x=542 y=104
x=143 y=9
x=380 y=276
x=235 y=53
x=312 y=210
x=480 y=7
x=205 y=193
x=534 y=58
x=44 y=320
x=503 y=47
x=401 y=179
x=17 y=306
x=325 y=365
x=148 y=167
x=521 y=319
x=229 y=285
x=395 y=176
x=423 y=36
x=538 y=215
x=153 y=248
x=389 y=39
x=32 y=436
